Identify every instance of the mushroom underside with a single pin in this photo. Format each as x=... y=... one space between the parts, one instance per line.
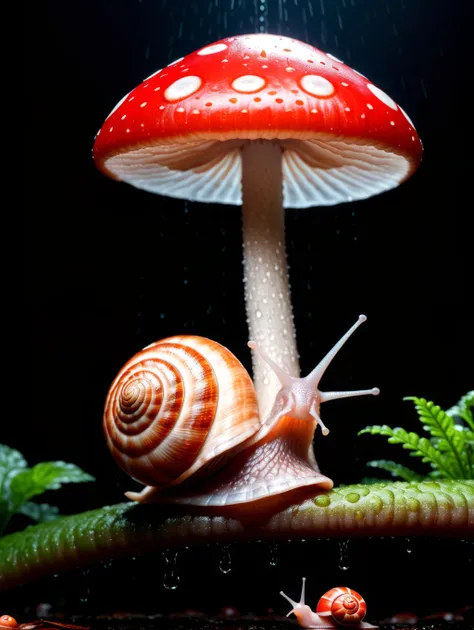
x=319 y=171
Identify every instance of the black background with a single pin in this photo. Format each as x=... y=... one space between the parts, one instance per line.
x=109 y=269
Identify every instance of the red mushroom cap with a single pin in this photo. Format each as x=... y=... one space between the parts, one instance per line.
x=180 y=132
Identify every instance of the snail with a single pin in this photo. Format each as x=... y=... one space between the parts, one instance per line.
x=10 y=623
x=339 y=606
x=181 y=417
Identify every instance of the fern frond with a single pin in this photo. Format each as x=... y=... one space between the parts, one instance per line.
x=464 y=409
x=447 y=439
x=396 y=470
x=421 y=447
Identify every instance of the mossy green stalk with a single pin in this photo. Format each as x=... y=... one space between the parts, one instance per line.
x=438 y=508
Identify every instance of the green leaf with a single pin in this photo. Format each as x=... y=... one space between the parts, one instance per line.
x=10 y=458
x=421 y=447
x=447 y=439
x=464 y=409
x=45 y=476
x=11 y=461
x=39 y=512
x=396 y=470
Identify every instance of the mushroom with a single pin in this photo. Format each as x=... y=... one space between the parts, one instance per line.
x=265 y=122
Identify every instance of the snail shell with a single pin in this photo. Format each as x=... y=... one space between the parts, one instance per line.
x=344 y=604
x=186 y=407
x=177 y=405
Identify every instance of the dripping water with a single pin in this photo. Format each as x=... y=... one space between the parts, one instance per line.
x=84 y=597
x=273 y=548
x=225 y=560
x=170 y=577
x=343 y=555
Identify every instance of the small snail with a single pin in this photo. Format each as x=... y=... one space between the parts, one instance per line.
x=340 y=606
x=181 y=417
x=10 y=623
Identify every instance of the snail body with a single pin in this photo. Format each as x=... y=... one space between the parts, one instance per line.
x=340 y=606
x=181 y=417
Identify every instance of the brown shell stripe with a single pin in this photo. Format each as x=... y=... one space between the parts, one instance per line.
x=183 y=445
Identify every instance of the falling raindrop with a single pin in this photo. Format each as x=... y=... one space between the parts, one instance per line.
x=85 y=595
x=343 y=555
x=273 y=554
x=225 y=561
x=170 y=577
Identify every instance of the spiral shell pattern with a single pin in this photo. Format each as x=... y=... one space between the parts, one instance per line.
x=176 y=405
x=344 y=604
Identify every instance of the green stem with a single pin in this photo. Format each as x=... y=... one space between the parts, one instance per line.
x=441 y=508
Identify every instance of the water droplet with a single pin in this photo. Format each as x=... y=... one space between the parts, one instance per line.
x=258 y=314
x=408 y=547
x=225 y=561
x=343 y=555
x=273 y=554
x=170 y=577
x=85 y=595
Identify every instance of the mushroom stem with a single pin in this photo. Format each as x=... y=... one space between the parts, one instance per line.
x=267 y=290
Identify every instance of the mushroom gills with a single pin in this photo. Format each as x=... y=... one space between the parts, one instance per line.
x=321 y=171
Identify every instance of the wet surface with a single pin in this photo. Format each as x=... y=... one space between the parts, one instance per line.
x=229 y=619
x=403 y=582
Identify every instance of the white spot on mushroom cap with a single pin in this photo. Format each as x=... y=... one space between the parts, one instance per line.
x=380 y=94
x=175 y=61
x=182 y=88
x=406 y=116
x=316 y=85
x=210 y=50
x=248 y=83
